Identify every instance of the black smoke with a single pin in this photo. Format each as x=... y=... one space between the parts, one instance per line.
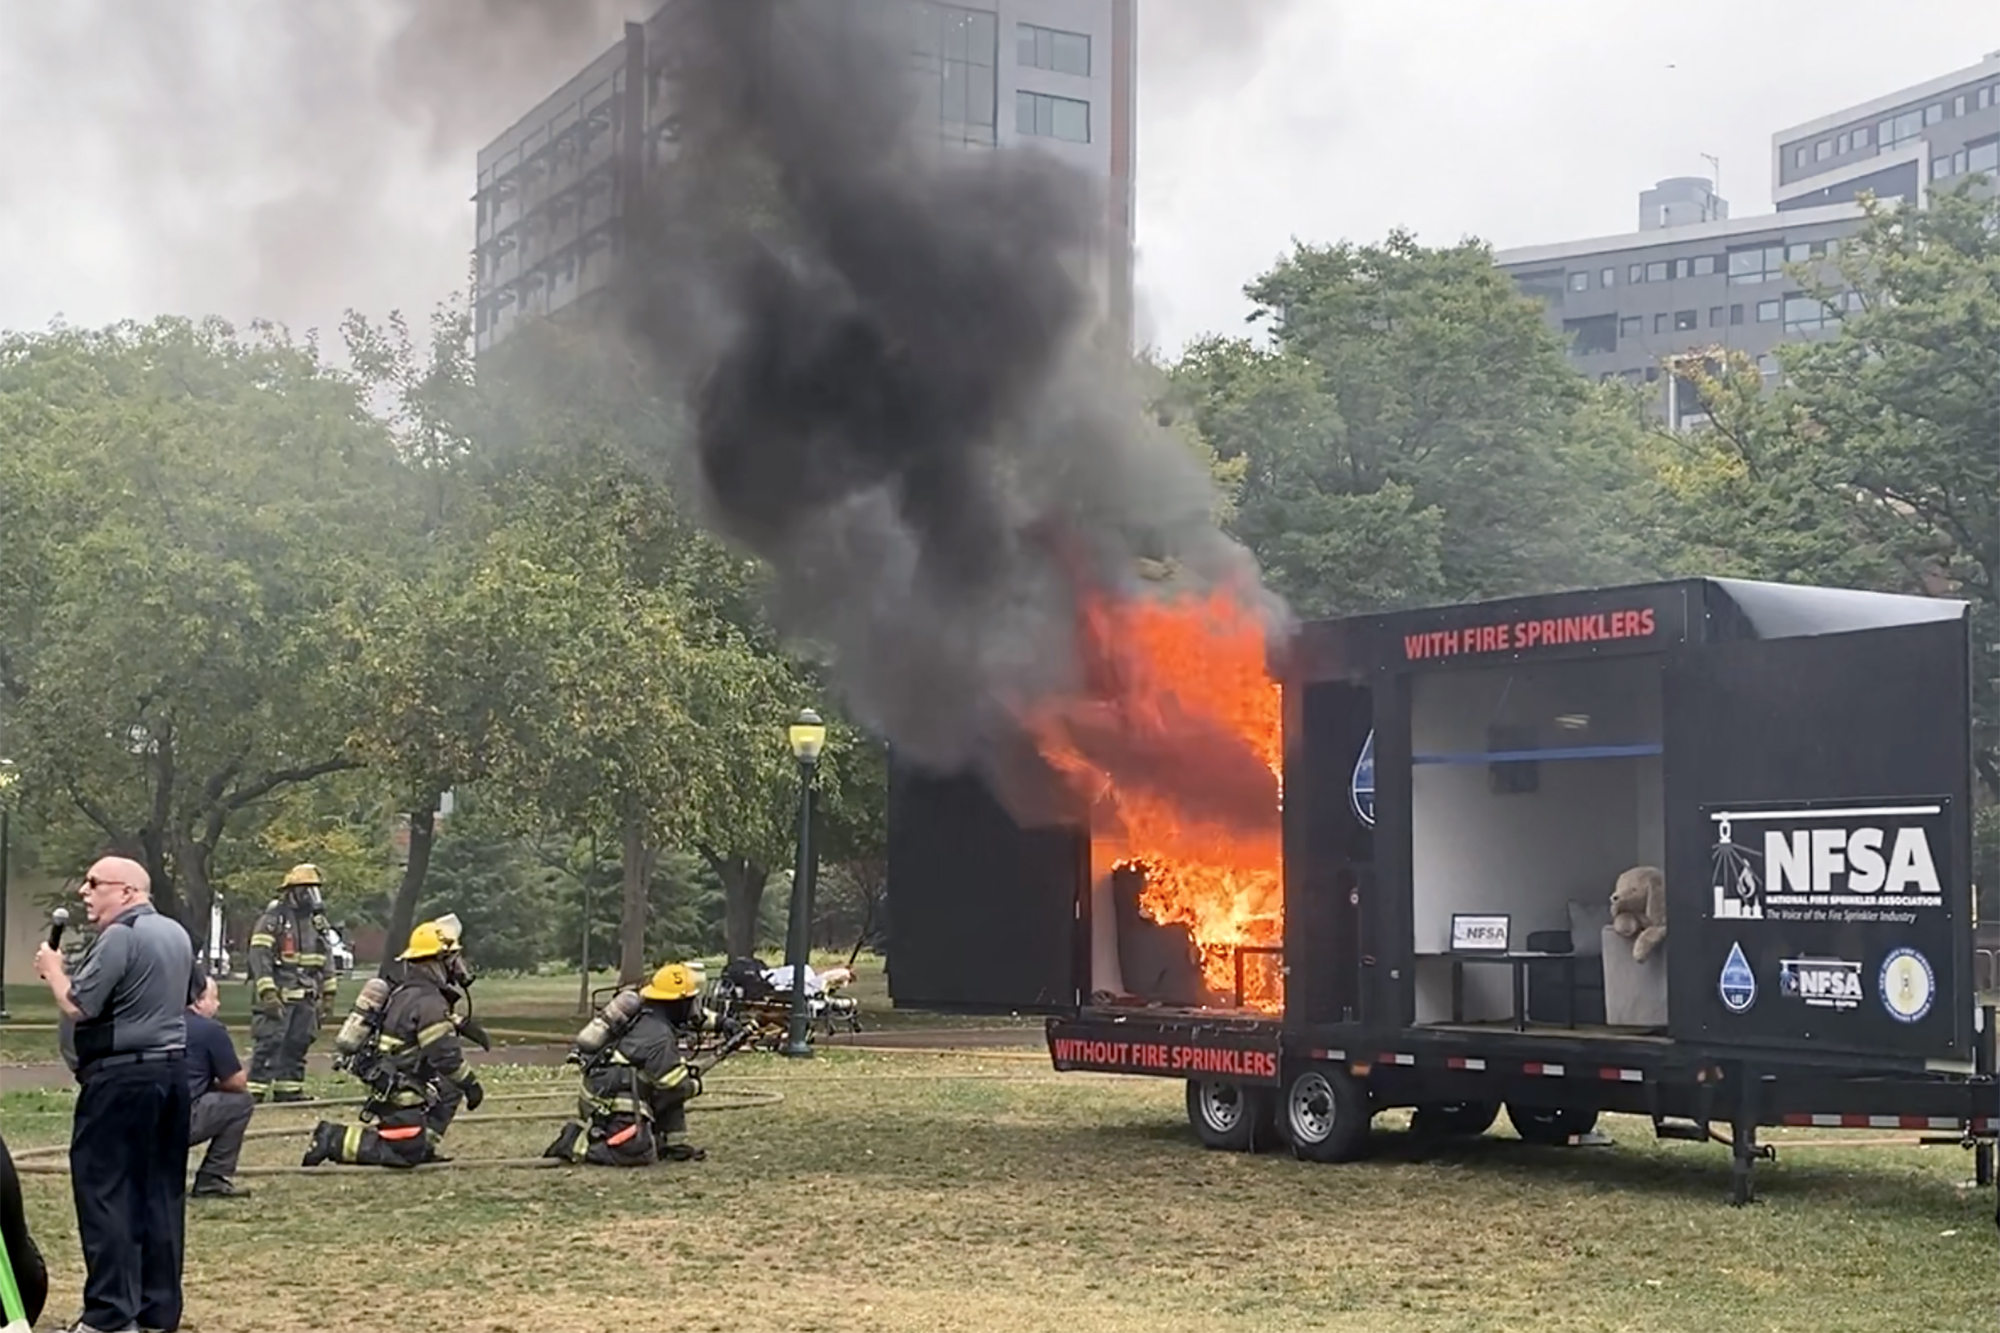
x=905 y=394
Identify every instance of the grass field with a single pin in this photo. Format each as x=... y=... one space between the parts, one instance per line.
x=930 y=1191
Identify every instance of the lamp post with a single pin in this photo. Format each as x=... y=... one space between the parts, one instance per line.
x=8 y=776
x=808 y=737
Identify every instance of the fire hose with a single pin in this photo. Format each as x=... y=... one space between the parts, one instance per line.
x=47 y=1161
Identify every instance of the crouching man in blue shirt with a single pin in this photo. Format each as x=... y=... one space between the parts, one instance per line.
x=220 y=1089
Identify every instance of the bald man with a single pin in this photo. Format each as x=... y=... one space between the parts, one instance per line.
x=129 y=1140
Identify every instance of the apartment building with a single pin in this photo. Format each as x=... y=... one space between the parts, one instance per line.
x=1054 y=75
x=1693 y=277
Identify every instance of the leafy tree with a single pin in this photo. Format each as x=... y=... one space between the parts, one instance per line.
x=1412 y=432
x=1875 y=461
x=193 y=504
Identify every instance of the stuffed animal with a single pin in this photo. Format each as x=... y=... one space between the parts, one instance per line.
x=1639 y=909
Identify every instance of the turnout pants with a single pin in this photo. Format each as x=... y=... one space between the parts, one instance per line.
x=128 y=1174
x=622 y=1130
x=403 y=1129
x=31 y=1271
x=218 y=1119
x=278 y=1046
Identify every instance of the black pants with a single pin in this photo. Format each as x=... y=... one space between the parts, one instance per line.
x=128 y=1152
x=278 y=1046
x=31 y=1274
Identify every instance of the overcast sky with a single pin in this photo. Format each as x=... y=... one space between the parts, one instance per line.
x=195 y=156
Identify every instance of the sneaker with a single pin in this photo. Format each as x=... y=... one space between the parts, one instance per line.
x=80 y=1327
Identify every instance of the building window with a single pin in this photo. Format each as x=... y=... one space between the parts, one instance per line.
x=1048 y=117
x=1736 y=314
x=1579 y=282
x=1900 y=129
x=1684 y=320
x=1704 y=265
x=961 y=48
x=1958 y=105
x=1052 y=48
x=1822 y=150
x=1767 y=312
x=1983 y=156
x=1800 y=157
x=1607 y=277
x=1985 y=98
x=1715 y=316
x=1631 y=326
x=1636 y=273
x=1765 y=263
x=1594 y=335
x=1842 y=144
x=1861 y=136
x=1934 y=113
x=1656 y=271
x=1809 y=314
x=1660 y=322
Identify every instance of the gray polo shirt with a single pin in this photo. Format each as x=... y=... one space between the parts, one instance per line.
x=133 y=987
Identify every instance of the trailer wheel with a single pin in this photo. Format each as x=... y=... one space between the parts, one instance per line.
x=1228 y=1116
x=1549 y=1124
x=1325 y=1114
x=1446 y=1120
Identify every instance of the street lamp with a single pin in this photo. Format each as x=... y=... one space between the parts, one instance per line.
x=808 y=737
x=9 y=775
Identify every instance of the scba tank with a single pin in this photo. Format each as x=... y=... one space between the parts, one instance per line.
x=612 y=1019
x=353 y=1034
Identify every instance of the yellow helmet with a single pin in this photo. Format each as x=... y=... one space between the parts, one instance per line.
x=427 y=941
x=305 y=872
x=675 y=981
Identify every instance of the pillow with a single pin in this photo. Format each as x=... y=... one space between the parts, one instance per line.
x=1586 y=926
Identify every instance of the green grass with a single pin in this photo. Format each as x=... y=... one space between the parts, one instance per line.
x=519 y=1009
x=976 y=1192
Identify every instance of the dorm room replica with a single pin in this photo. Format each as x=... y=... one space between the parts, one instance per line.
x=1697 y=850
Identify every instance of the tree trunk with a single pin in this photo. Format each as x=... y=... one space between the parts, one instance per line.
x=638 y=867
x=152 y=853
x=193 y=890
x=403 y=915
x=742 y=899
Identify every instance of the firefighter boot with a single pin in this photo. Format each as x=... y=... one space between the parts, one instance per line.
x=325 y=1144
x=564 y=1148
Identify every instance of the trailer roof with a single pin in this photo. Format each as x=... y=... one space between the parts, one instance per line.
x=1701 y=608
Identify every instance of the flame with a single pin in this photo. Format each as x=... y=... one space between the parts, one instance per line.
x=1179 y=747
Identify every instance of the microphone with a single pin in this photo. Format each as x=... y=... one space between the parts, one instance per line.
x=57 y=920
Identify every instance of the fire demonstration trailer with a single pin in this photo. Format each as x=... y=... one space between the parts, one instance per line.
x=1462 y=789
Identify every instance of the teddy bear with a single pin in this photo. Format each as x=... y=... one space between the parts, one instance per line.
x=1639 y=909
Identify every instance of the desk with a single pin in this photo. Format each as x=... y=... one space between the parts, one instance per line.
x=1520 y=963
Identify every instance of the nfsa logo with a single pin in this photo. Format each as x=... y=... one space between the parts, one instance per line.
x=1823 y=983
x=1796 y=864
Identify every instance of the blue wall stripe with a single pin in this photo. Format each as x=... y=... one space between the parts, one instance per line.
x=1521 y=756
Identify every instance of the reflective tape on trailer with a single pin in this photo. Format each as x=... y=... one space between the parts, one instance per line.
x=1876 y=1121
x=1386 y=1058
x=1543 y=1070
x=1327 y=1055
x=1466 y=1062
x=1612 y=1075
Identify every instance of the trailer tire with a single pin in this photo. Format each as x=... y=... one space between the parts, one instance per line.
x=1229 y=1116
x=1549 y=1124
x=1449 y=1120
x=1325 y=1114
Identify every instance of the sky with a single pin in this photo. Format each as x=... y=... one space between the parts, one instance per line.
x=271 y=160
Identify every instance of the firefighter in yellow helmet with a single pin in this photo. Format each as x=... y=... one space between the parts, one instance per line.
x=408 y=1052
x=636 y=1080
x=293 y=985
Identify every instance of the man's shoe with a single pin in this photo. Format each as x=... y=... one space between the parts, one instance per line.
x=219 y=1189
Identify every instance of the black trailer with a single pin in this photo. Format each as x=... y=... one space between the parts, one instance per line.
x=1462 y=788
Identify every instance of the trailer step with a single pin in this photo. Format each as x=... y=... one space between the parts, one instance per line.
x=1684 y=1129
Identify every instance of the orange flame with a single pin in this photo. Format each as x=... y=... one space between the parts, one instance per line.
x=1180 y=750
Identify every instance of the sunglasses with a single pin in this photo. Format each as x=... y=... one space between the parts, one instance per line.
x=93 y=882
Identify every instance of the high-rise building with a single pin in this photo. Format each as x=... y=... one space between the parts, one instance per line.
x=1057 y=75
x=1693 y=277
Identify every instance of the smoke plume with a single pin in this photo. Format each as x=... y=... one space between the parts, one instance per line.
x=906 y=398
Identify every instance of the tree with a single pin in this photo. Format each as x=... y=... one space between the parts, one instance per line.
x=193 y=505
x=1413 y=432
x=1875 y=462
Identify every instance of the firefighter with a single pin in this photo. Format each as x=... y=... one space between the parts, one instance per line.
x=636 y=1082
x=294 y=986
x=406 y=1048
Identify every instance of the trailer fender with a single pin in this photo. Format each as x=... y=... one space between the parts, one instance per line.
x=1230 y=1116
x=1325 y=1113
x=1550 y=1124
